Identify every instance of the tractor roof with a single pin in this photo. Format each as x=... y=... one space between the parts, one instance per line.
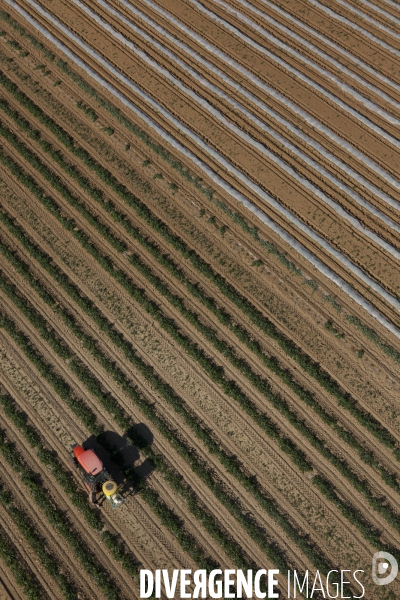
x=90 y=462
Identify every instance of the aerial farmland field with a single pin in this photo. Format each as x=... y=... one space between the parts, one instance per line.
x=200 y=286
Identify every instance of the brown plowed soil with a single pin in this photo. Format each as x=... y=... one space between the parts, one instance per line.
x=303 y=304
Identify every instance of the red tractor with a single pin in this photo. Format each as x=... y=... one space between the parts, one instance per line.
x=95 y=477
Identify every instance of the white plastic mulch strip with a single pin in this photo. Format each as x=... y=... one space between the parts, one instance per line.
x=317 y=52
x=369 y=19
x=298 y=74
x=199 y=78
x=273 y=40
x=354 y=59
x=367 y=34
x=392 y=3
x=310 y=120
x=214 y=176
x=268 y=111
x=382 y=12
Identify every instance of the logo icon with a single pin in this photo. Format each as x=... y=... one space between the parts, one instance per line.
x=381 y=561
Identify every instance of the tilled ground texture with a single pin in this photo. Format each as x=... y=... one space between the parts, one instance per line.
x=199 y=239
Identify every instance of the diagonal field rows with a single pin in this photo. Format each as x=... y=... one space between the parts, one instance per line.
x=90 y=148
x=233 y=390
x=128 y=239
x=364 y=16
x=250 y=185
x=140 y=530
x=167 y=453
x=222 y=77
x=349 y=22
x=304 y=79
x=313 y=35
x=323 y=172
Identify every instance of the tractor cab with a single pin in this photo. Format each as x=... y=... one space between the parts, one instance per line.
x=94 y=475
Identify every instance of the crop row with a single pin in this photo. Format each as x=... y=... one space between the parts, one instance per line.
x=57 y=519
x=199 y=466
x=62 y=280
x=38 y=544
x=86 y=415
x=312 y=368
x=215 y=372
x=66 y=480
x=89 y=419
x=387 y=511
x=229 y=387
x=196 y=181
x=22 y=573
x=142 y=135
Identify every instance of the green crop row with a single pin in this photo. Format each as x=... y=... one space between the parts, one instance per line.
x=77 y=405
x=312 y=368
x=373 y=336
x=55 y=181
x=57 y=519
x=201 y=468
x=68 y=483
x=361 y=485
x=211 y=368
x=231 y=388
x=115 y=112
x=22 y=573
x=236 y=217
x=329 y=326
x=38 y=544
x=17 y=27
x=87 y=110
x=352 y=514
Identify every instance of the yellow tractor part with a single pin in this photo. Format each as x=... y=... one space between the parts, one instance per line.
x=109 y=488
x=110 y=491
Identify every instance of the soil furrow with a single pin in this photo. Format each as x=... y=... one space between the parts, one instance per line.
x=367 y=293
x=241 y=428
x=231 y=354
x=309 y=298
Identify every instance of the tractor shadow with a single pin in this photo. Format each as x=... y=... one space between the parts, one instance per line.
x=124 y=451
